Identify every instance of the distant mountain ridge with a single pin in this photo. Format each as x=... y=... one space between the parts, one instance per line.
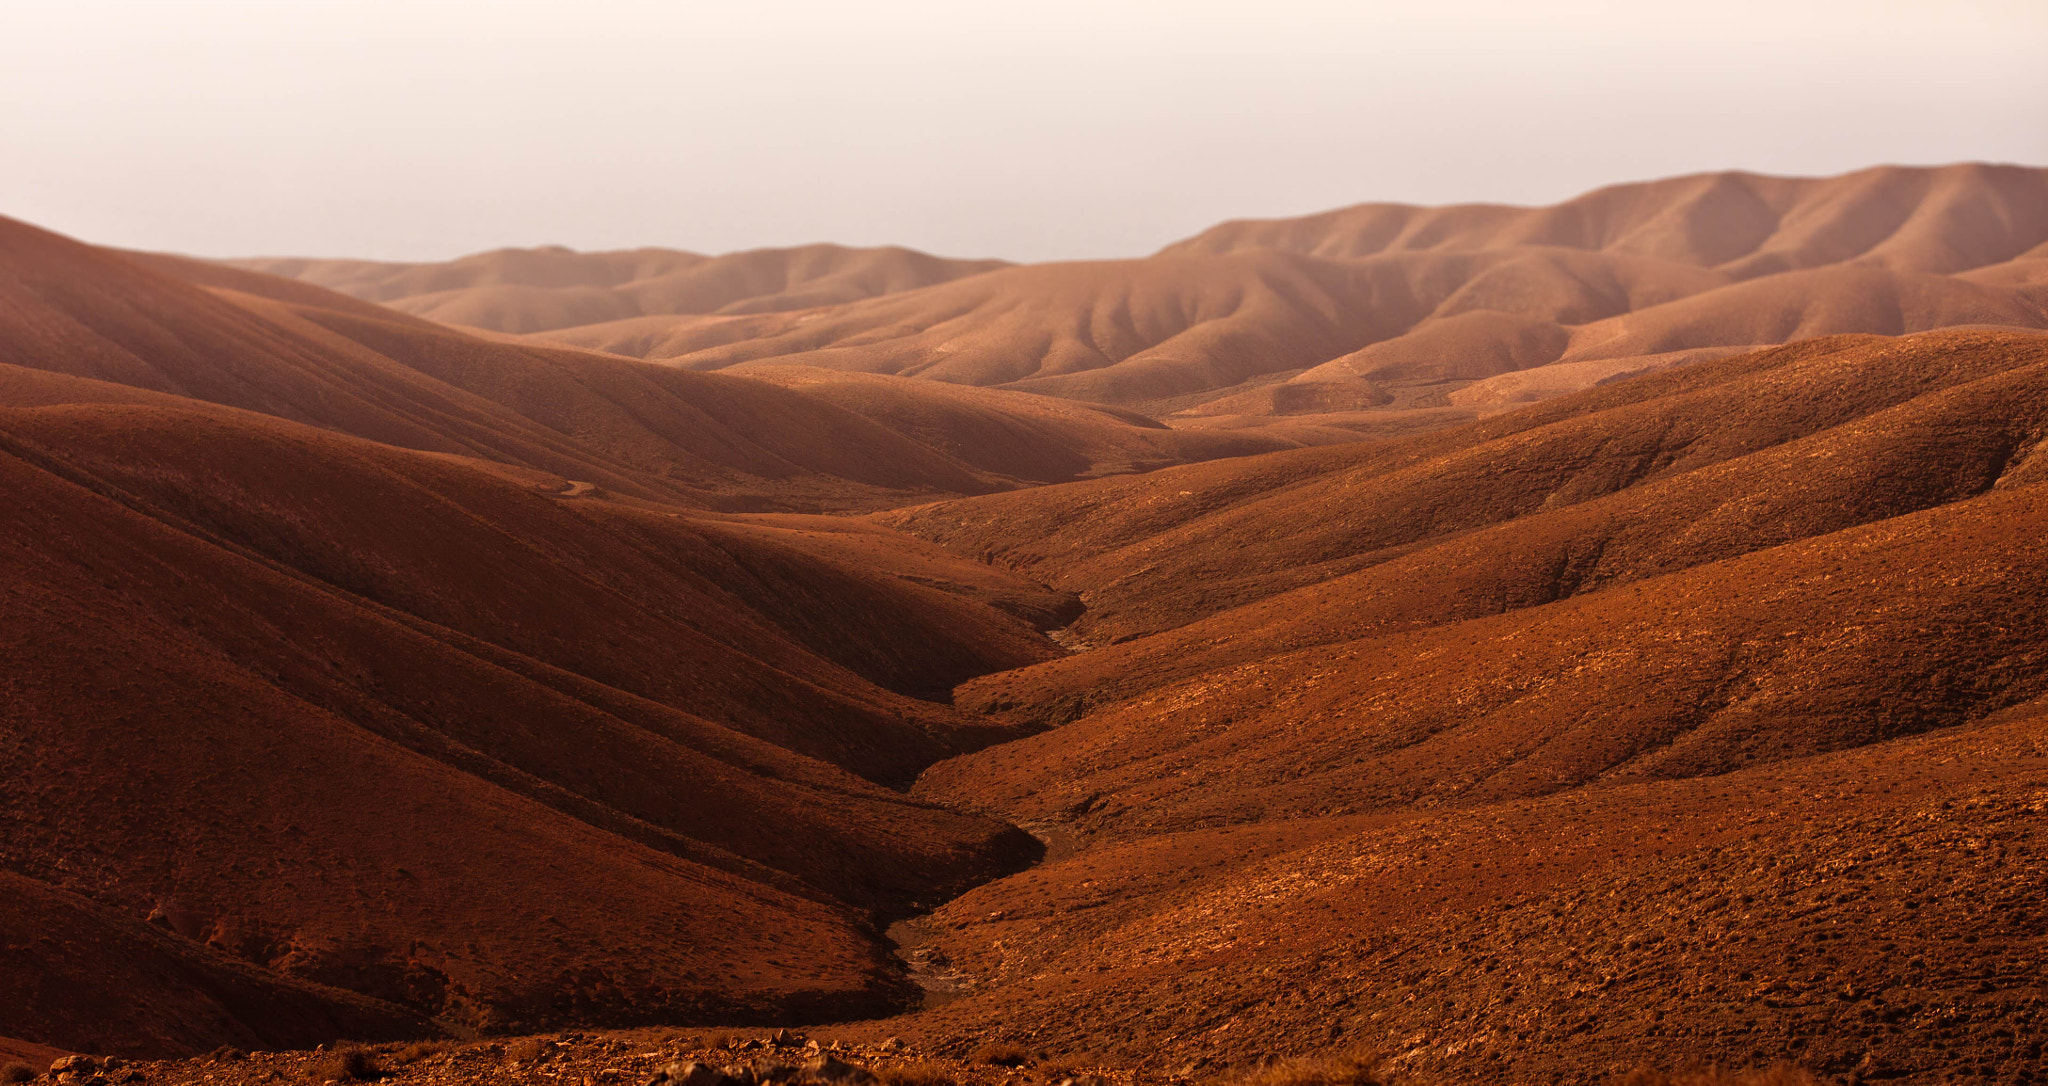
x=1939 y=220
x=534 y=290
x=1363 y=316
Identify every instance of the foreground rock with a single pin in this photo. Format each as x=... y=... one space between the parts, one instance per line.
x=667 y=1058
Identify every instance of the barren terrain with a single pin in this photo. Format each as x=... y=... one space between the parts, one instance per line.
x=1522 y=644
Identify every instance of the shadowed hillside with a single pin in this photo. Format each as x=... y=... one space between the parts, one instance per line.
x=296 y=581
x=300 y=648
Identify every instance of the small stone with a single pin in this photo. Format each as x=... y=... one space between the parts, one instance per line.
x=695 y=1074
x=834 y=1069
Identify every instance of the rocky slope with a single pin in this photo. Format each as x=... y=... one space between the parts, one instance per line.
x=1699 y=715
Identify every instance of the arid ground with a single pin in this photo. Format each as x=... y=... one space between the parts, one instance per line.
x=1522 y=644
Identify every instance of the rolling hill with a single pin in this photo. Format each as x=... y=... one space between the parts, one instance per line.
x=1580 y=733
x=1389 y=308
x=290 y=578
x=296 y=649
x=275 y=346
x=1538 y=642
x=533 y=290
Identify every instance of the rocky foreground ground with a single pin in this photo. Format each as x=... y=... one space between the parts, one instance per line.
x=782 y=1058
x=629 y=1058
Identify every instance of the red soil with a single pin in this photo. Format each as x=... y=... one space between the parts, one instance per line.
x=1694 y=718
x=252 y=657
x=115 y=984
x=363 y=671
x=251 y=662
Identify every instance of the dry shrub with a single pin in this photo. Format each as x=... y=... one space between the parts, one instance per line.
x=528 y=1049
x=1347 y=1070
x=998 y=1054
x=918 y=1073
x=1783 y=1074
x=351 y=1064
x=414 y=1053
x=12 y=1073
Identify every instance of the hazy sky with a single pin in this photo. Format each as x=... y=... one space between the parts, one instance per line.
x=1033 y=129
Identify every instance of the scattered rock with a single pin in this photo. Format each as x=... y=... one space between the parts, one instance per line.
x=774 y=1071
x=74 y=1065
x=834 y=1069
x=692 y=1074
